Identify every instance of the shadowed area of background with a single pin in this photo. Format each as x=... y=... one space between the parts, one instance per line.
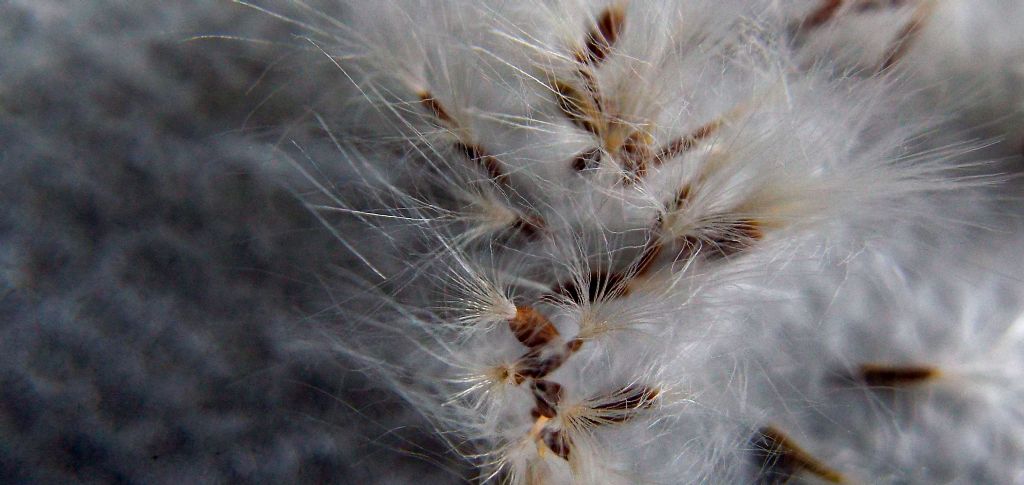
x=158 y=281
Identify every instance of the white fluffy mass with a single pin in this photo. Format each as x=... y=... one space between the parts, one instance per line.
x=578 y=241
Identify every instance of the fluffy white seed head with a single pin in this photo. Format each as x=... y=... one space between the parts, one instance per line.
x=582 y=204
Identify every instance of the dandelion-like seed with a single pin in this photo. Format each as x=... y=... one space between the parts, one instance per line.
x=615 y=189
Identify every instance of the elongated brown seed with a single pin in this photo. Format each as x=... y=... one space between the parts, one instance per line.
x=908 y=34
x=530 y=226
x=603 y=286
x=538 y=363
x=870 y=5
x=822 y=14
x=603 y=37
x=630 y=398
x=830 y=8
x=472 y=151
x=621 y=406
x=558 y=442
x=736 y=237
x=682 y=197
x=881 y=375
x=546 y=395
x=532 y=328
x=781 y=458
x=581 y=108
x=652 y=249
x=435 y=107
x=731 y=239
x=600 y=286
x=636 y=154
x=685 y=143
x=489 y=163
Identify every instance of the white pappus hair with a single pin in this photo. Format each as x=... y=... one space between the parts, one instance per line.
x=602 y=239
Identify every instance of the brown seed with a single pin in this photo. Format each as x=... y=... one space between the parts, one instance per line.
x=822 y=14
x=591 y=89
x=558 y=442
x=735 y=237
x=490 y=164
x=532 y=328
x=518 y=378
x=587 y=159
x=435 y=107
x=580 y=108
x=908 y=34
x=829 y=9
x=600 y=286
x=869 y=5
x=880 y=375
x=611 y=285
x=537 y=363
x=599 y=41
x=686 y=143
x=547 y=395
x=652 y=249
x=631 y=398
x=682 y=196
x=622 y=405
x=636 y=152
x=530 y=226
x=781 y=458
x=472 y=151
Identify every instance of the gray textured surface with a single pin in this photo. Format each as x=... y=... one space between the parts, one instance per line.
x=156 y=277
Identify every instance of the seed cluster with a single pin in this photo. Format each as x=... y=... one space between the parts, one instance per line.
x=567 y=362
x=631 y=145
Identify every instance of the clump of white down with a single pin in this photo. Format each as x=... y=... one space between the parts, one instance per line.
x=584 y=202
x=965 y=59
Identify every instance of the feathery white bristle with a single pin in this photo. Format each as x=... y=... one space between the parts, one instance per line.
x=595 y=212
